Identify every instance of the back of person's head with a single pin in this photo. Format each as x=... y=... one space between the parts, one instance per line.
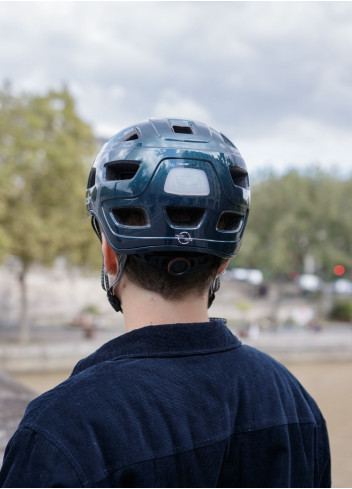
x=171 y=197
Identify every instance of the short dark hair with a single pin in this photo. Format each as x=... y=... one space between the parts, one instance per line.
x=171 y=286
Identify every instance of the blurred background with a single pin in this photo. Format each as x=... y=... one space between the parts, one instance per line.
x=274 y=77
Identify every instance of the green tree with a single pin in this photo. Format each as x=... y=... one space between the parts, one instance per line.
x=296 y=218
x=44 y=149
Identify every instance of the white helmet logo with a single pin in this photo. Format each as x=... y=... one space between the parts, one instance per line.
x=184 y=238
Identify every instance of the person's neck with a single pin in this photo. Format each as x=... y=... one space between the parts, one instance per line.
x=144 y=308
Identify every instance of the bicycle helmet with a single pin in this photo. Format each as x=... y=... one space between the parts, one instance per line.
x=169 y=185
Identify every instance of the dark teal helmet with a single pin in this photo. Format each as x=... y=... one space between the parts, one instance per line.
x=170 y=185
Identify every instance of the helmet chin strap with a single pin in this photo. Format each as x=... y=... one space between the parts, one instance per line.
x=215 y=286
x=112 y=298
x=114 y=301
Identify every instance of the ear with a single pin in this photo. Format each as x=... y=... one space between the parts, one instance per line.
x=222 y=268
x=110 y=262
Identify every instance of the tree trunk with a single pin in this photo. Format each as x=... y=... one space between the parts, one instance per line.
x=24 y=319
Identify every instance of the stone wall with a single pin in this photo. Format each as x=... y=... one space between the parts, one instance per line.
x=55 y=296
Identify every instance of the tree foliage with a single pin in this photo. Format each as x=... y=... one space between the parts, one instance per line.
x=44 y=149
x=299 y=218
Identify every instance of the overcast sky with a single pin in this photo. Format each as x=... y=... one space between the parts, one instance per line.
x=275 y=77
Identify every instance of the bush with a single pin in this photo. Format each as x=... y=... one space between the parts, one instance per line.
x=342 y=310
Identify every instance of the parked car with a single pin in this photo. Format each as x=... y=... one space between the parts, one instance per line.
x=250 y=275
x=342 y=286
x=310 y=283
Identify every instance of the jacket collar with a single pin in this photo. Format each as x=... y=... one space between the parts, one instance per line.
x=165 y=340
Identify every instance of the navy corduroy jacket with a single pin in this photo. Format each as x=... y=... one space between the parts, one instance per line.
x=182 y=405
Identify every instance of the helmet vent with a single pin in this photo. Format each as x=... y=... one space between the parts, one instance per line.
x=182 y=129
x=184 y=217
x=121 y=170
x=131 y=136
x=239 y=177
x=229 y=221
x=131 y=216
x=227 y=141
x=91 y=178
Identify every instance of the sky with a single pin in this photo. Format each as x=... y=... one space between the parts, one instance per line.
x=274 y=77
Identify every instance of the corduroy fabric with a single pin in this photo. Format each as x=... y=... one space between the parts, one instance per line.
x=180 y=405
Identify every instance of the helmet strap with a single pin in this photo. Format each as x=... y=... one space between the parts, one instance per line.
x=114 y=301
x=215 y=286
x=112 y=298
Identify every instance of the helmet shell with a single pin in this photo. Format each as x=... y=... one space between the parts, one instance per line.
x=158 y=167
